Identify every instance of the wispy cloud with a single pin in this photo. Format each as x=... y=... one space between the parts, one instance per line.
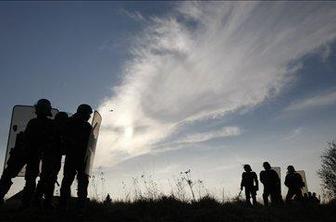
x=293 y=133
x=202 y=137
x=135 y=15
x=325 y=99
x=204 y=60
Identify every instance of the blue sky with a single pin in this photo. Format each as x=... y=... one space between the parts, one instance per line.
x=200 y=86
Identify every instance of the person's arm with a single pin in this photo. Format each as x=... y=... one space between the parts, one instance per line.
x=261 y=177
x=242 y=182
x=286 y=181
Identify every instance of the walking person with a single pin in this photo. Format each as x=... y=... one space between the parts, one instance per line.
x=271 y=181
x=250 y=183
x=295 y=183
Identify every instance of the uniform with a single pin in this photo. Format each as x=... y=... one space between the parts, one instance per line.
x=39 y=135
x=51 y=160
x=77 y=137
x=250 y=182
x=271 y=182
x=294 y=183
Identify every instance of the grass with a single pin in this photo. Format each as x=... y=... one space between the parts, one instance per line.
x=189 y=200
x=168 y=208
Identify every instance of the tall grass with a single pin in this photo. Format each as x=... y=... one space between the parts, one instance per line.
x=183 y=187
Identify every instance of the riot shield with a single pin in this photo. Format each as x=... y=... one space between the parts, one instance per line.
x=21 y=115
x=303 y=175
x=278 y=171
x=96 y=121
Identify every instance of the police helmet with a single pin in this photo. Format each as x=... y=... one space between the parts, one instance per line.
x=84 y=109
x=290 y=168
x=43 y=106
x=61 y=116
x=266 y=165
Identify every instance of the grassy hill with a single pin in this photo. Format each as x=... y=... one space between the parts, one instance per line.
x=170 y=209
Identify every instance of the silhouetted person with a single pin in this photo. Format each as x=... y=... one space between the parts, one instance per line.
x=305 y=198
x=51 y=162
x=250 y=182
x=315 y=199
x=16 y=161
x=38 y=137
x=310 y=197
x=78 y=132
x=294 y=183
x=271 y=181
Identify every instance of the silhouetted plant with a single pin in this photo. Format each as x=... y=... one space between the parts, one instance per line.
x=187 y=178
x=93 y=186
x=126 y=192
x=151 y=187
x=180 y=189
x=97 y=184
x=201 y=189
x=108 y=200
x=327 y=172
x=137 y=190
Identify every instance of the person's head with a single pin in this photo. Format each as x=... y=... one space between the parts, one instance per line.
x=247 y=168
x=309 y=194
x=43 y=108
x=290 y=169
x=267 y=166
x=84 y=111
x=61 y=117
x=314 y=194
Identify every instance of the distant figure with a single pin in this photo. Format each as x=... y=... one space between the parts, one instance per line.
x=250 y=182
x=294 y=183
x=315 y=199
x=271 y=181
x=51 y=162
x=38 y=137
x=310 y=197
x=16 y=161
x=77 y=135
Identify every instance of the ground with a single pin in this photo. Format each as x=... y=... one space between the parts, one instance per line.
x=169 y=209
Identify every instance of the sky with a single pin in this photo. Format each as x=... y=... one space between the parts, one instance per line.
x=205 y=86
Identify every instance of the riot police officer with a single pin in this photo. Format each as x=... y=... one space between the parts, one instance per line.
x=51 y=162
x=78 y=131
x=250 y=182
x=39 y=136
x=271 y=181
x=295 y=183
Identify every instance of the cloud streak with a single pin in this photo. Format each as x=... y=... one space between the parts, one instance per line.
x=325 y=99
x=202 y=61
x=202 y=137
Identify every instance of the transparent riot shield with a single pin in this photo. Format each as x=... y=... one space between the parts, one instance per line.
x=96 y=121
x=278 y=171
x=21 y=115
x=303 y=175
